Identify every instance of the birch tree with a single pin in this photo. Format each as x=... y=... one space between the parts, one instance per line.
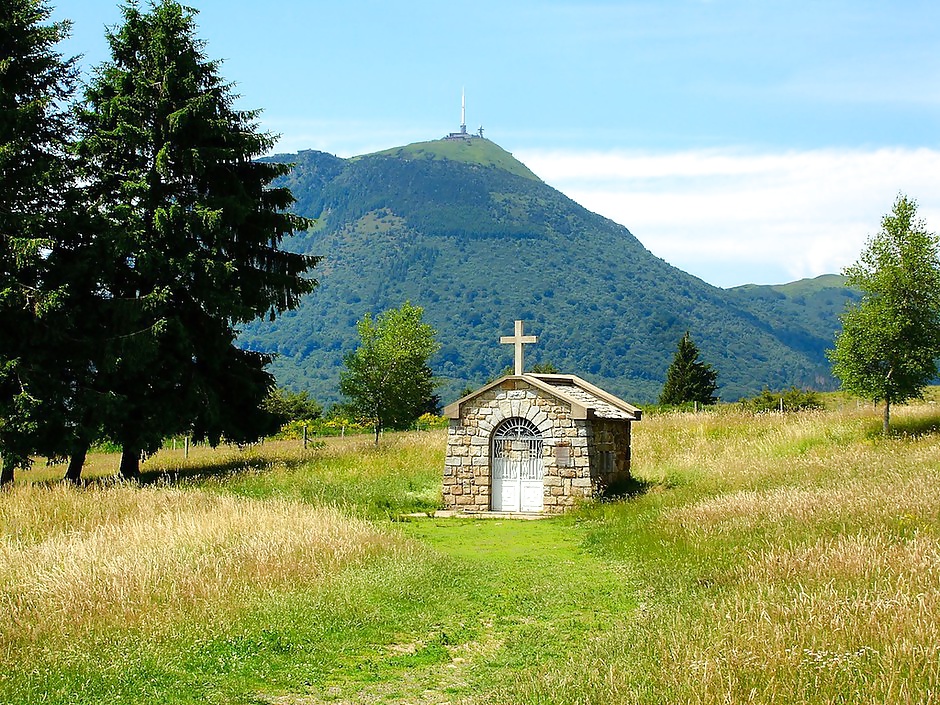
x=890 y=340
x=387 y=378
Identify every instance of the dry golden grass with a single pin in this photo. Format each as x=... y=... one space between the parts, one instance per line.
x=70 y=559
x=902 y=502
x=846 y=619
x=819 y=545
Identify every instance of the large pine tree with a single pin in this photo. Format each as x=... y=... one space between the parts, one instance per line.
x=688 y=379
x=35 y=84
x=189 y=230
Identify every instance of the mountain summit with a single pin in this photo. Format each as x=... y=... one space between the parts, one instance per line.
x=465 y=230
x=477 y=151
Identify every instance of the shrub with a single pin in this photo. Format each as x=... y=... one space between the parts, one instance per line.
x=792 y=399
x=428 y=421
x=334 y=426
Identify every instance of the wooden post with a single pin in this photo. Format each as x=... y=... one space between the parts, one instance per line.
x=305 y=436
x=781 y=405
x=186 y=448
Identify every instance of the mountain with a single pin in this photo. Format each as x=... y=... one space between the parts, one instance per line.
x=803 y=313
x=465 y=230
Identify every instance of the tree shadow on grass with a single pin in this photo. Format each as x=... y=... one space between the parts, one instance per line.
x=630 y=488
x=208 y=468
x=916 y=428
x=907 y=428
x=217 y=470
x=226 y=467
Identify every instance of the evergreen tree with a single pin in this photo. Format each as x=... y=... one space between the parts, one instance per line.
x=688 y=379
x=890 y=341
x=35 y=83
x=188 y=229
x=387 y=378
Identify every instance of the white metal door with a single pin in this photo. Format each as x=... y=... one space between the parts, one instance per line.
x=517 y=473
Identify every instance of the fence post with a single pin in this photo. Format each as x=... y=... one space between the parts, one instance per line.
x=186 y=448
x=305 y=436
x=781 y=405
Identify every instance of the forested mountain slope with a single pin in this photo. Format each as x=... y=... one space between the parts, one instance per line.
x=469 y=233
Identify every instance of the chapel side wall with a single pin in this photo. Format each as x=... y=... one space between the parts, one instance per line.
x=566 y=461
x=610 y=453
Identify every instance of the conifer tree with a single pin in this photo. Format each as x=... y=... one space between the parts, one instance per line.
x=688 y=379
x=189 y=230
x=35 y=83
x=890 y=341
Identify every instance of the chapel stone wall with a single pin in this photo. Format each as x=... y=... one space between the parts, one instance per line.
x=566 y=447
x=609 y=451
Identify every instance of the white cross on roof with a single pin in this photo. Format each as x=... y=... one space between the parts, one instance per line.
x=518 y=340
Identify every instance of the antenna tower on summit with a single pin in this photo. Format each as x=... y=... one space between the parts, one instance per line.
x=463 y=111
x=463 y=134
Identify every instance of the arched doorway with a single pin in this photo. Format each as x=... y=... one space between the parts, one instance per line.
x=516 y=467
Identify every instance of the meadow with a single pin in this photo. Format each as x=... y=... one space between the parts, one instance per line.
x=762 y=558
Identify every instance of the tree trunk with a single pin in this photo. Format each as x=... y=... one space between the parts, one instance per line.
x=376 y=434
x=76 y=461
x=887 y=418
x=130 y=463
x=7 y=466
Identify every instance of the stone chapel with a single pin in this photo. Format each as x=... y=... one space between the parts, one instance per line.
x=534 y=442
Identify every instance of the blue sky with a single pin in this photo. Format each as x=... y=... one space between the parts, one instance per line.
x=740 y=141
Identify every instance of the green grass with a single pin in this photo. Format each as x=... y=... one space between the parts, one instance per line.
x=474 y=151
x=400 y=476
x=772 y=558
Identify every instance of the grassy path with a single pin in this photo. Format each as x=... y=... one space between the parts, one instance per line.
x=497 y=597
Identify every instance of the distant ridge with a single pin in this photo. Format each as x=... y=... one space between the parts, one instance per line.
x=801 y=287
x=465 y=230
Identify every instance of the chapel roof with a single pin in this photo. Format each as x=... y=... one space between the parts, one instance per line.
x=586 y=400
x=606 y=406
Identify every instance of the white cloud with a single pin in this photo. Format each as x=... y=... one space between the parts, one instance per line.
x=733 y=216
